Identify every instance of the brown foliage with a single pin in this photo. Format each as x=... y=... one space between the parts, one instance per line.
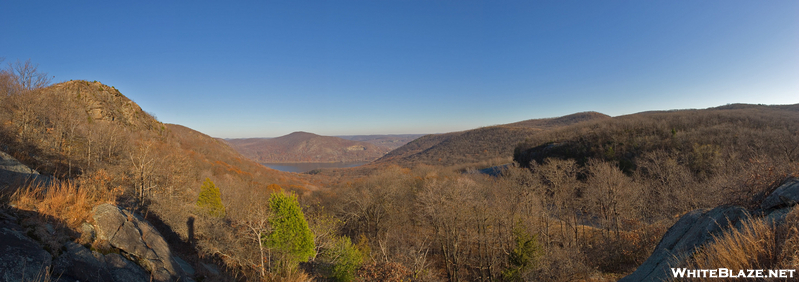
x=757 y=244
x=67 y=201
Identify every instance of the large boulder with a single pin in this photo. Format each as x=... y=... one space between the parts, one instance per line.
x=138 y=239
x=699 y=227
x=108 y=219
x=784 y=196
x=81 y=264
x=124 y=270
x=21 y=258
x=681 y=240
x=12 y=172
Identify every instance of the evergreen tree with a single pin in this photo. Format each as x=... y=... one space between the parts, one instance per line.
x=524 y=255
x=210 y=199
x=291 y=238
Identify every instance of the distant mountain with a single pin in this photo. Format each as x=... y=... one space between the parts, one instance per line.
x=304 y=147
x=392 y=141
x=481 y=146
x=697 y=137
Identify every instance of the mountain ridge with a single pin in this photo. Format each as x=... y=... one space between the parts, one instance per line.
x=483 y=146
x=305 y=147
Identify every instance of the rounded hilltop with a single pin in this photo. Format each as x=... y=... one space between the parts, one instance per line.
x=104 y=103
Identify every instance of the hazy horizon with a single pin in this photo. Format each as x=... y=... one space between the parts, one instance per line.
x=254 y=69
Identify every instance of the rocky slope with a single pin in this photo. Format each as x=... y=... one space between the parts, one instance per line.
x=122 y=246
x=701 y=227
x=105 y=103
x=93 y=140
x=304 y=147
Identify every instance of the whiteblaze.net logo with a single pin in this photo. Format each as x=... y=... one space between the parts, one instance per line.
x=729 y=273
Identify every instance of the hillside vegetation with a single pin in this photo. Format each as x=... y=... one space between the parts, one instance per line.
x=304 y=147
x=585 y=201
x=99 y=146
x=391 y=141
x=482 y=146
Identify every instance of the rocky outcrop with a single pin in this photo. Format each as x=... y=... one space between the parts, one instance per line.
x=128 y=237
x=125 y=270
x=136 y=238
x=13 y=172
x=129 y=249
x=784 y=196
x=79 y=263
x=106 y=104
x=21 y=258
x=24 y=259
x=680 y=241
x=699 y=227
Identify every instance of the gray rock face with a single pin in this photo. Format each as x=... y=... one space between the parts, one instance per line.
x=108 y=219
x=12 y=172
x=124 y=270
x=21 y=258
x=185 y=266
x=136 y=237
x=785 y=195
x=11 y=164
x=81 y=264
x=128 y=239
x=691 y=231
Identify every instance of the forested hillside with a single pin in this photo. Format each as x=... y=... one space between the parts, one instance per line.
x=483 y=146
x=392 y=141
x=586 y=201
x=99 y=146
x=304 y=147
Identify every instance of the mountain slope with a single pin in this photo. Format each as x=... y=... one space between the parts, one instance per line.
x=99 y=146
x=485 y=144
x=301 y=147
x=700 y=135
x=391 y=141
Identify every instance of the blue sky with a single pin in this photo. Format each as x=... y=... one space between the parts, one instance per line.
x=268 y=68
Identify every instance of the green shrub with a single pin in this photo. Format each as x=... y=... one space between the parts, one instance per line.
x=210 y=200
x=346 y=259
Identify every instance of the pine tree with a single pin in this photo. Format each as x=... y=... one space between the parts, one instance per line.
x=210 y=199
x=524 y=255
x=291 y=238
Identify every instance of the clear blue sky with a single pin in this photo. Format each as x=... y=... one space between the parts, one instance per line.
x=268 y=68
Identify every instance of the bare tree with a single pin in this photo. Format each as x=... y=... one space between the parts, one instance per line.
x=27 y=76
x=142 y=161
x=445 y=204
x=560 y=179
x=611 y=193
x=256 y=222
